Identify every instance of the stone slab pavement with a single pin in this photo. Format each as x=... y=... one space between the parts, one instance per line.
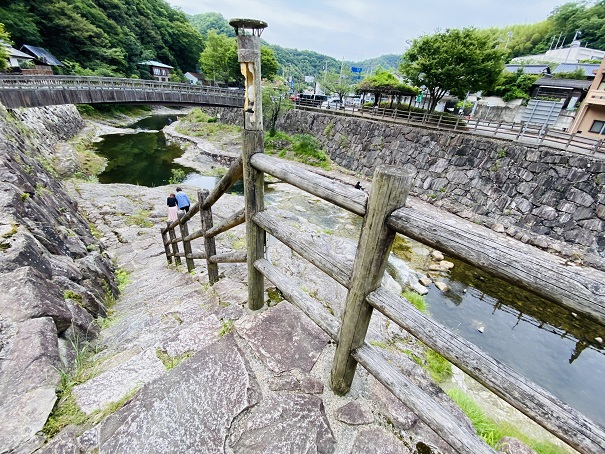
x=191 y=370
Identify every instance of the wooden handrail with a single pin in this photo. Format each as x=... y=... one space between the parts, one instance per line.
x=558 y=418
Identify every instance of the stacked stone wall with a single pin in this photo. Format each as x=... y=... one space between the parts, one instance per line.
x=533 y=194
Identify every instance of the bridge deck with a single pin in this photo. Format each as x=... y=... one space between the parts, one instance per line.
x=39 y=91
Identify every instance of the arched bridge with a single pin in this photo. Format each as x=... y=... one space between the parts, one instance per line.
x=39 y=91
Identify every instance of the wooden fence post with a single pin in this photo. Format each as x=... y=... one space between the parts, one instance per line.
x=248 y=44
x=166 y=240
x=209 y=243
x=186 y=244
x=390 y=187
x=175 y=247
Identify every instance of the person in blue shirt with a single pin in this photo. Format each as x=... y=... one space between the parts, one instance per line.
x=182 y=200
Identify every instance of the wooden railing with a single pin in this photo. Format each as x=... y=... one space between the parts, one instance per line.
x=385 y=213
x=518 y=132
x=171 y=237
x=34 y=91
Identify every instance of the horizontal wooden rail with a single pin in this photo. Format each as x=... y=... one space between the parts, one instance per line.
x=306 y=247
x=340 y=194
x=235 y=172
x=234 y=220
x=457 y=435
x=575 y=287
x=229 y=257
x=555 y=416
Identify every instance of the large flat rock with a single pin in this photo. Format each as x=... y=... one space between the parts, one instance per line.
x=289 y=423
x=284 y=338
x=190 y=409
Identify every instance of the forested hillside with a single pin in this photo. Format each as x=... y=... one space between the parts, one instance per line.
x=105 y=37
x=110 y=37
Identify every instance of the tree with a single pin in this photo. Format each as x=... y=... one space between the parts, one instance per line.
x=334 y=83
x=275 y=101
x=4 y=38
x=382 y=82
x=219 y=58
x=268 y=63
x=455 y=61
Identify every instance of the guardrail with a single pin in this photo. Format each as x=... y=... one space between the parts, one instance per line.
x=518 y=132
x=384 y=213
x=35 y=91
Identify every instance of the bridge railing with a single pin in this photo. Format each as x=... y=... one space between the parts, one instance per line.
x=385 y=213
x=518 y=132
x=27 y=82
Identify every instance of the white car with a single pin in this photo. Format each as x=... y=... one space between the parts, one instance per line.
x=331 y=104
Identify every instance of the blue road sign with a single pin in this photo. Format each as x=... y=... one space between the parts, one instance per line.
x=355 y=69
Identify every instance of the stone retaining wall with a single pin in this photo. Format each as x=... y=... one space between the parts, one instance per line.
x=534 y=194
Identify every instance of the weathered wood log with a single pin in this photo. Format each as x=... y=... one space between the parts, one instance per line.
x=174 y=245
x=193 y=210
x=209 y=243
x=457 y=435
x=578 y=288
x=304 y=245
x=229 y=257
x=195 y=235
x=196 y=255
x=254 y=203
x=186 y=244
x=234 y=174
x=390 y=187
x=300 y=299
x=165 y=240
x=339 y=194
x=234 y=220
x=428 y=410
x=555 y=416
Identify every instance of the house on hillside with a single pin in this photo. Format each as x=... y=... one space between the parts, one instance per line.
x=590 y=69
x=43 y=60
x=528 y=69
x=159 y=71
x=17 y=60
x=590 y=120
x=197 y=79
x=573 y=54
x=571 y=91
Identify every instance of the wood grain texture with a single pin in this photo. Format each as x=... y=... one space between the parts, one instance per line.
x=186 y=244
x=234 y=220
x=305 y=245
x=575 y=287
x=209 y=243
x=390 y=187
x=555 y=416
x=229 y=257
x=174 y=245
x=340 y=194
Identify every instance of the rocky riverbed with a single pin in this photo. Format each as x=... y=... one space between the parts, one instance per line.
x=177 y=365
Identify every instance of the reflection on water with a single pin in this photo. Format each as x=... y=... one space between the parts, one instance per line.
x=545 y=342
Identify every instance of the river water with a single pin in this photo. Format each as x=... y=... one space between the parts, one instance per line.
x=550 y=345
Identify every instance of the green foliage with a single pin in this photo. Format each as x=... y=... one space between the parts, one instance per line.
x=417 y=300
x=306 y=149
x=333 y=83
x=384 y=82
x=205 y=22
x=578 y=74
x=275 y=101
x=106 y=37
x=4 y=36
x=226 y=327
x=515 y=85
x=439 y=368
x=178 y=176
x=170 y=362
x=455 y=61
x=123 y=278
x=140 y=218
x=491 y=431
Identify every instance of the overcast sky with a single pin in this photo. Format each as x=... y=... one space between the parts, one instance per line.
x=360 y=29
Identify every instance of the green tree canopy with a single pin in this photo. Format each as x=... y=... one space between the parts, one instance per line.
x=382 y=82
x=4 y=37
x=335 y=83
x=455 y=61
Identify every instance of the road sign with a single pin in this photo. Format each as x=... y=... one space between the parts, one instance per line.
x=419 y=97
x=355 y=69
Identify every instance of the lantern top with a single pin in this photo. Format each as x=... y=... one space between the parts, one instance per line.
x=244 y=26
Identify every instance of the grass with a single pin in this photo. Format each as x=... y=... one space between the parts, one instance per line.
x=140 y=219
x=226 y=327
x=170 y=362
x=200 y=124
x=491 y=431
x=303 y=148
x=437 y=366
x=417 y=300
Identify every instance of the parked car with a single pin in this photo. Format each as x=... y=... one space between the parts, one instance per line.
x=331 y=104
